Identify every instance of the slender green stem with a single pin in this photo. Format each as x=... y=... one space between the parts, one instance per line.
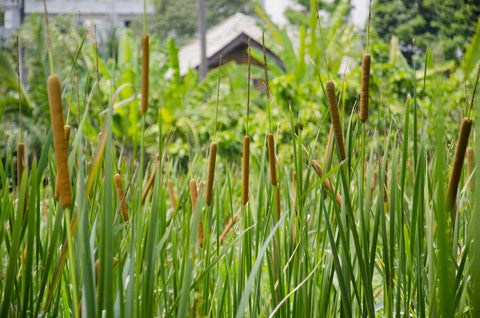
x=72 y=262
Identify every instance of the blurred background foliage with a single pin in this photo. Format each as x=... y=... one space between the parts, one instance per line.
x=184 y=107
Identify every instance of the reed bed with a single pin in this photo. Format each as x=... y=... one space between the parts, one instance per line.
x=382 y=244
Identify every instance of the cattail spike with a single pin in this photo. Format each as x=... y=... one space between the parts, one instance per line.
x=121 y=196
x=271 y=159
x=193 y=193
x=246 y=169
x=145 y=70
x=456 y=173
x=211 y=172
x=66 y=130
x=470 y=166
x=365 y=86
x=172 y=194
x=194 y=197
x=335 y=117
x=56 y=115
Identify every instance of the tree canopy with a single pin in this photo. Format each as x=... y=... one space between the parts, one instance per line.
x=178 y=18
x=445 y=25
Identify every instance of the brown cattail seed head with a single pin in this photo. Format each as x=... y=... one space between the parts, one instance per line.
x=365 y=86
x=20 y=158
x=335 y=117
x=456 y=173
x=96 y=268
x=56 y=115
x=193 y=193
x=194 y=196
x=211 y=172
x=246 y=168
x=172 y=194
x=145 y=70
x=271 y=159
x=470 y=165
x=66 y=130
x=294 y=182
x=121 y=196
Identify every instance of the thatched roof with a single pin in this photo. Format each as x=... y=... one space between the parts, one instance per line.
x=229 y=38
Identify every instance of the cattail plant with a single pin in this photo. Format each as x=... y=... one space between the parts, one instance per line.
x=246 y=139
x=56 y=115
x=151 y=180
x=66 y=130
x=211 y=172
x=20 y=161
x=374 y=181
x=145 y=70
x=194 y=197
x=329 y=148
x=246 y=168
x=273 y=171
x=121 y=196
x=470 y=166
x=335 y=117
x=364 y=87
x=455 y=175
x=271 y=159
x=171 y=194
x=329 y=187
x=228 y=227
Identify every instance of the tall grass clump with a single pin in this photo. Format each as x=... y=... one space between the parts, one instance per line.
x=288 y=228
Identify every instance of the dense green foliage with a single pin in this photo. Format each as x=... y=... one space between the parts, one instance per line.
x=445 y=26
x=390 y=248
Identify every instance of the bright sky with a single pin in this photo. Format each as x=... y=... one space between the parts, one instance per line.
x=275 y=9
